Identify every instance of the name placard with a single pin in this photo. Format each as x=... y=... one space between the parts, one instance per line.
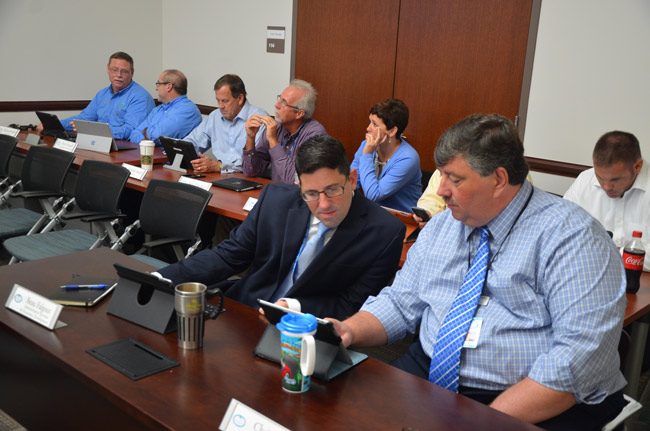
x=250 y=203
x=240 y=417
x=196 y=183
x=34 y=306
x=4 y=130
x=65 y=145
x=135 y=171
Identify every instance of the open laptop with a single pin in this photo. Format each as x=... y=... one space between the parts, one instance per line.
x=52 y=126
x=95 y=136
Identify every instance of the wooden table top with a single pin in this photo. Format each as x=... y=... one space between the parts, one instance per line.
x=223 y=202
x=195 y=395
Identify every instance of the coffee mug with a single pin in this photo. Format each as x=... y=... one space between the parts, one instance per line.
x=297 y=351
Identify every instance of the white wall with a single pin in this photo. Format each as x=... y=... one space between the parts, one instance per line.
x=591 y=74
x=209 y=38
x=58 y=49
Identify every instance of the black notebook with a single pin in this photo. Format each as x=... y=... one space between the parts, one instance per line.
x=132 y=358
x=83 y=297
x=237 y=184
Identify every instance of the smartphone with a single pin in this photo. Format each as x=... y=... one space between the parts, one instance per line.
x=421 y=212
x=194 y=175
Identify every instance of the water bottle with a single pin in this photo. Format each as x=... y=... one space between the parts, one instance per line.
x=633 y=256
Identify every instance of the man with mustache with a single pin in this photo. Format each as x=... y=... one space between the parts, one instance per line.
x=518 y=295
x=123 y=105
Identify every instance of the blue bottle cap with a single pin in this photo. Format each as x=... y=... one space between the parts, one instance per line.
x=297 y=323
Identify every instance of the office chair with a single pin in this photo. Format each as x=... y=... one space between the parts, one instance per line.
x=7 y=184
x=169 y=216
x=96 y=198
x=42 y=177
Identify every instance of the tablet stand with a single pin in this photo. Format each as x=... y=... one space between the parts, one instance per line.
x=331 y=360
x=176 y=164
x=144 y=305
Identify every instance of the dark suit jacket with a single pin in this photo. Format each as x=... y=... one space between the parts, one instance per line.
x=359 y=260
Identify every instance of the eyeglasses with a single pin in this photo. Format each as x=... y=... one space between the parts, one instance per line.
x=162 y=83
x=285 y=104
x=330 y=191
x=118 y=71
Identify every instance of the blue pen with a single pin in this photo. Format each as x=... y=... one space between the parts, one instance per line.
x=83 y=286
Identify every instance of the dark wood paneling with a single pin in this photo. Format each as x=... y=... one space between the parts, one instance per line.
x=346 y=49
x=43 y=105
x=455 y=58
x=555 y=167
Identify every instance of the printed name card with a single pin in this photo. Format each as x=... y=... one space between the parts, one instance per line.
x=250 y=203
x=240 y=417
x=65 y=145
x=34 y=306
x=135 y=171
x=4 y=130
x=196 y=183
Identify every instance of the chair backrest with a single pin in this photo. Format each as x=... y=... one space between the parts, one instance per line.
x=99 y=186
x=7 y=145
x=45 y=169
x=172 y=210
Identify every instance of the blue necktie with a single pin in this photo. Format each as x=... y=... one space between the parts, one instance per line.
x=445 y=360
x=311 y=247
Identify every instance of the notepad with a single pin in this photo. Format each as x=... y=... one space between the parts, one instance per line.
x=83 y=297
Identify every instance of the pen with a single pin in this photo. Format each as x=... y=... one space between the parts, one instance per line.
x=83 y=286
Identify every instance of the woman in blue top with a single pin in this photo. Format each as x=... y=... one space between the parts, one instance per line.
x=388 y=166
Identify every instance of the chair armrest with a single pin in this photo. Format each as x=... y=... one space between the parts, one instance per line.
x=37 y=194
x=164 y=241
x=101 y=216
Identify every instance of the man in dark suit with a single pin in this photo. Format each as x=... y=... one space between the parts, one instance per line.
x=358 y=244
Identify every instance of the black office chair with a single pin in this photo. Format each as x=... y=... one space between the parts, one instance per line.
x=42 y=177
x=96 y=201
x=169 y=216
x=7 y=146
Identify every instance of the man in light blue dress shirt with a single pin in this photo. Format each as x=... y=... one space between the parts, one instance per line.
x=223 y=130
x=542 y=346
x=123 y=104
x=176 y=115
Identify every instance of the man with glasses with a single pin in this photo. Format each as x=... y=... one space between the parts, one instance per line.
x=222 y=131
x=123 y=105
x=318 y=243
x=176 y=115
x=282 y=136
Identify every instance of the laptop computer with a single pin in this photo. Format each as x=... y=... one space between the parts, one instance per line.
x=96 y=136
x=52 y=126
x=237 y=184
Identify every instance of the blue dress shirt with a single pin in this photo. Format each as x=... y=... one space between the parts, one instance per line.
x=174 y=119
x=399 y=185
x=556 y=291
x=123 y=111
x=226 y=138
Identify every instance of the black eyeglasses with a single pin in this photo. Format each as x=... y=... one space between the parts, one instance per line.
x=330 y=191
x=284 y=103
x=162 y=83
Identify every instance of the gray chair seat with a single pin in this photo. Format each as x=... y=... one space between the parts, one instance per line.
x=156 y=263
x=16 y=221
x=39 y=246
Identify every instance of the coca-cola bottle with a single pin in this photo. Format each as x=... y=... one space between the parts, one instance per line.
x=633 y=256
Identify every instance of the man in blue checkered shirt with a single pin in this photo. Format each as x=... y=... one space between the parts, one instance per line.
x=543 y=341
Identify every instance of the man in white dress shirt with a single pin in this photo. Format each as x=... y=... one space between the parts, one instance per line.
x=616 y=191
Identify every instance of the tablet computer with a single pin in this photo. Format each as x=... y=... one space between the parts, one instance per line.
x=237 y=184
x=179 y=153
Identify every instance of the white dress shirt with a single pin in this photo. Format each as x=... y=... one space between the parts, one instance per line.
x=621 y=215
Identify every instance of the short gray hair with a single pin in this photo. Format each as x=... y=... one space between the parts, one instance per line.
x=486 y=142
x=308 y=101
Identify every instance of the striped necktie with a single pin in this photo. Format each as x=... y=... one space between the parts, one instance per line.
x=445 y=360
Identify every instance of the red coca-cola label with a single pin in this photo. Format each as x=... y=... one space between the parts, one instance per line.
x=633 y=261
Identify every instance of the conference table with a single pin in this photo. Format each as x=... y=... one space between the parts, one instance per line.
x=48 y=380
x=223 y=202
